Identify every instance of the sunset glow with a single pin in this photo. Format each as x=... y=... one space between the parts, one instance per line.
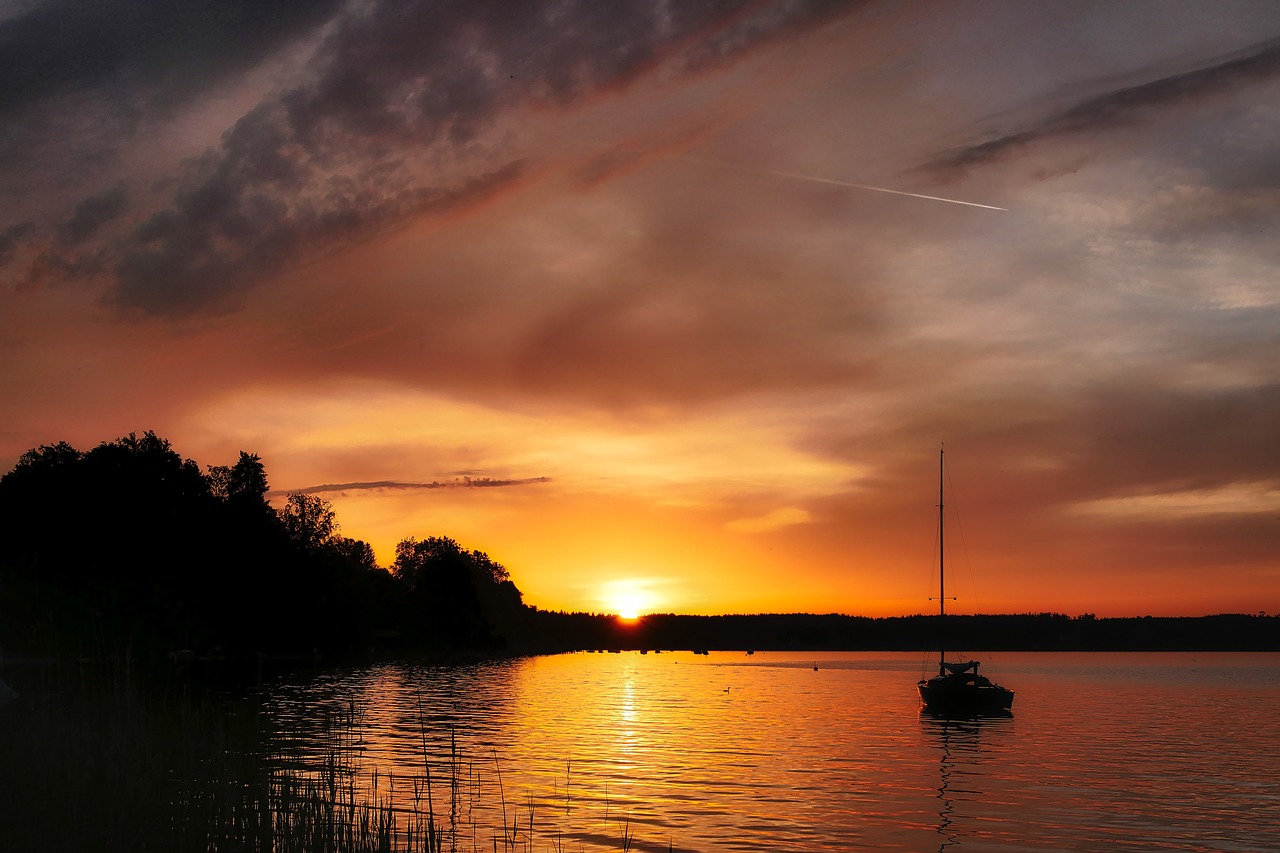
x=672 y=315
x=629 y=599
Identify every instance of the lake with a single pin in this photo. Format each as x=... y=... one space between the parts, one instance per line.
x=803 y=751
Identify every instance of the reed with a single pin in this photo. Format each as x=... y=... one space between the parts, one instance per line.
x=94 y=761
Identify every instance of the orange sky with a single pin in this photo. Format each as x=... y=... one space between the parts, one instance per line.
x=573 y=250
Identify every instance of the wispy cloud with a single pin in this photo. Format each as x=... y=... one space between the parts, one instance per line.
x=1234 y=499
x=396 y=486
x=778 y=518
x=1122 y=106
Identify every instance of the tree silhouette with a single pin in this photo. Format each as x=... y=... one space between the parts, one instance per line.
x=459 y=597
x=132 y=540
x=248 y=480
x=111 y=530
x=308 y=520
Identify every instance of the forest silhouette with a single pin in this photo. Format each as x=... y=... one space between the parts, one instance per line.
x=130 y=546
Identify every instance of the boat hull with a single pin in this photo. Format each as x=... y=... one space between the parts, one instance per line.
x=950 y=694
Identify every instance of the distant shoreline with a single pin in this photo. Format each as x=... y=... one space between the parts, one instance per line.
x=550 y=633
x=836 y=632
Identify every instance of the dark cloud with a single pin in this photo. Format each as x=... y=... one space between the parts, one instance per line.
x=1145 y=440
x=1033 y=451
x=393 y=124
x=92 y=213
x=759 y=23
x=222 y=237
x=69 y=45
x=1120 y=106
x=393 y=485
x=10 y=238
x=1117 y=442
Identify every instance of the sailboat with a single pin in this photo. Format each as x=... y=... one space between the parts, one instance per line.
x=957 y=688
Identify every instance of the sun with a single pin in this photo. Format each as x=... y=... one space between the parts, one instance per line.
x=627 y=607
x=628 y=599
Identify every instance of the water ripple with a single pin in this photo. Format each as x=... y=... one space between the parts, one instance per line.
x=723 y=753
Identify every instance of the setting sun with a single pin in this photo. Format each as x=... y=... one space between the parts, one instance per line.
x=629 y=598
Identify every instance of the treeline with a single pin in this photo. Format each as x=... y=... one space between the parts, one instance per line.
x=129 y=545
x=835 y=632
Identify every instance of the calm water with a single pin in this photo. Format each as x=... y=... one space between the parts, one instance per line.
x=732 y=752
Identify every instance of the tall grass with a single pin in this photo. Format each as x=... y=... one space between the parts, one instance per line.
x=91 y=760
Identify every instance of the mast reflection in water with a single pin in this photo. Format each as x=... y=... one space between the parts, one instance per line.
x=962 y=794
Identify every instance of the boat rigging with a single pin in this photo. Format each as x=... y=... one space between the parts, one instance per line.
x=958 y=687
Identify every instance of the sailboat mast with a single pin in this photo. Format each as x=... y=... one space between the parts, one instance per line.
x=942 y=574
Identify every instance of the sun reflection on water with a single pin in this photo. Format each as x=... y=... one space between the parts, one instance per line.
x=729 y=751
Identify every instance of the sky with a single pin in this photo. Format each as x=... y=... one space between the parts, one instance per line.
x=670 y=306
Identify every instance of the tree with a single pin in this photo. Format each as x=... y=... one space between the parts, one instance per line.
x=38 y=501
x=464 y=597
x=247 y=480
x=308 y=520
x=111 y=536
x=135 y=543
x=436 y=572
x=354 y=552
x=219 y=479
x=46 y=457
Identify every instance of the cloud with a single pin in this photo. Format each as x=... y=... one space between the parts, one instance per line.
x=1232 y=499
x=10 y=238
x=762 y=22
x=223 y=236
x=63 y=46
x=1171 y=439
x=92 y=213
x=395 y=486
x=405 y=113
x=1121 y=106
x=1163 y=440
x=778 y=518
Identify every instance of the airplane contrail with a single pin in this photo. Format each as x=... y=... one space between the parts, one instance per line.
x=799 y=177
